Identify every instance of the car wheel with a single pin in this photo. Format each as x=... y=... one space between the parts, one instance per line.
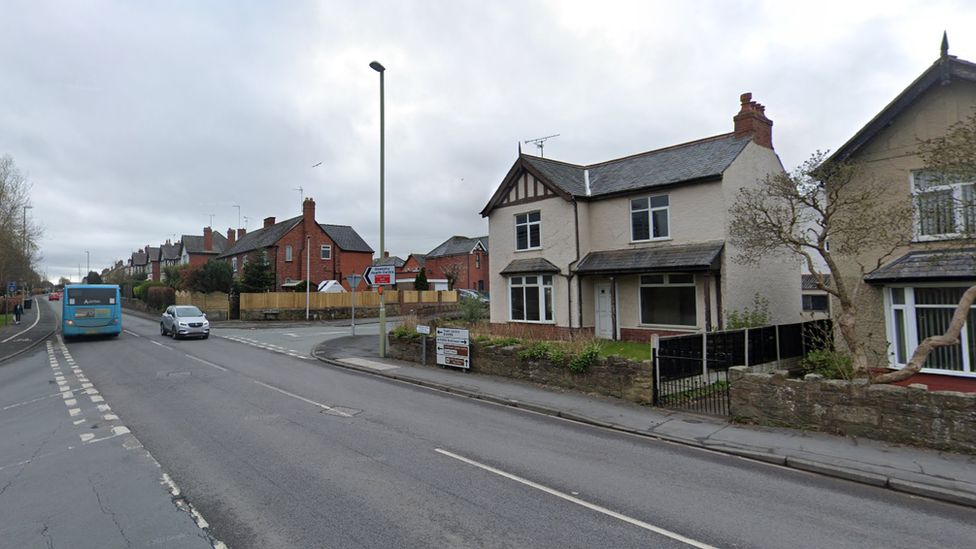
x=173 y=333
x=162 y=329
x=206 y=336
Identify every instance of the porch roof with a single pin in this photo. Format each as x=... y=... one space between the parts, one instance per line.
x=532 y=265
x=928 y=265
x=686 y=257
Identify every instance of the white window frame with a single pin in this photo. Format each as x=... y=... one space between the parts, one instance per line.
x=288 y=253
x=542 y=282
x=233 y=263
x=667 y=284
x=649 y=210
x=911 y=329
x=959 y=206
x=528 y=224
x=325 y=252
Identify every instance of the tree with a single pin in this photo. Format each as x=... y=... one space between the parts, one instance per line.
x=420 y=283
x=213 y=276
x=819 y=203
x=93 y=278
x=257 y=276
x=451 y=273
x=18 y=233
x=173 y=275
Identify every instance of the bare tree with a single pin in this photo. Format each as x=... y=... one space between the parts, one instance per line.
x=18 y=234
x=451 y=272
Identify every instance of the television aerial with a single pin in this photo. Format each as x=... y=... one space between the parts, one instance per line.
x=540 y=142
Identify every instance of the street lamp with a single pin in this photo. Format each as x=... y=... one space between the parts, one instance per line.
x=308 y=268
x=376 y=66
x=238 y=206
x=87 y=262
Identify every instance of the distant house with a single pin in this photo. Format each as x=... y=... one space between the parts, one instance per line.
x=462 y=258
x=170 y=253
x=332 y=251
x=198 y=250
x=914 y=294
x=638 y=245
x=153 y=262
x=138 y=263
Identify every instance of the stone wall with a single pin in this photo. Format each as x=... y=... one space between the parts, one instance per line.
x=612 y=376
x=944 y=420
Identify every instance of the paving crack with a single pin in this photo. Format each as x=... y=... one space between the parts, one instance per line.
x=110 y=513
x=28 y=461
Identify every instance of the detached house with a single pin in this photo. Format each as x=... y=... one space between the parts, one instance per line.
x=198 y=250
x=915 y=293
x=635 y=246
x=463 y=258
x=333 y=251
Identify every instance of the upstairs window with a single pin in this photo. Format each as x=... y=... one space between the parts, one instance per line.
x=528 y=227
x=944 y=207
x=325 y=252
x=288 y=252
x=650 y=218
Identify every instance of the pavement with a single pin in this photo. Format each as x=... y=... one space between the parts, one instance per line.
x=36 y=325
x=933 y=474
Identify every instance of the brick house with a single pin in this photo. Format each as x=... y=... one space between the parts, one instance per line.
x=638 y=245
x=198 y=250
x=914 y=294
x=463 y=257
x=332 y=251
x=137 y=263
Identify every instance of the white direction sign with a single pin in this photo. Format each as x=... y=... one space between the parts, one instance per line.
x=380 y=274
x=453 y=348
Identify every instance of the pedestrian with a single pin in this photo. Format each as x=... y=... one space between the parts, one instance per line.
x=18 y=311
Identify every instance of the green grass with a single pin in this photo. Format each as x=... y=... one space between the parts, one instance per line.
x=626 y=349
x=6 y=319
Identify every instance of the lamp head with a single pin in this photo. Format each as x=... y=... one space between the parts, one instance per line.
x=376 y=66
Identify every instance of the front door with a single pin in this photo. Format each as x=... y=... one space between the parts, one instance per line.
x=604 y=323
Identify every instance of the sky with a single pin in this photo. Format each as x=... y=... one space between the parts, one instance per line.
x=142 y=121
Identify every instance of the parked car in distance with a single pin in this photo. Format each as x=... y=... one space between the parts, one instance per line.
x=54 y=296
x=184 y=321
x=471 y=294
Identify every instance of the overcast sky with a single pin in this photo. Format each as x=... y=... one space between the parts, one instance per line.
x=135 y=121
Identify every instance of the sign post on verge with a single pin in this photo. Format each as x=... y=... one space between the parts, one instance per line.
x=453 y=348
x=353 y=281
x=424 y=331
x=380 y=275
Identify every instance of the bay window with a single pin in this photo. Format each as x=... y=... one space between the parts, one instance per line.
x=668 y=299
x=917 y=313
x=530 y=298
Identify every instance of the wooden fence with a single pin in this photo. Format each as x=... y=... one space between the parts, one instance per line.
x=319 y=301
x=216 y=304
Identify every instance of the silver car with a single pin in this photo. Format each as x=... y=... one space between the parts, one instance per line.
x=184 y=321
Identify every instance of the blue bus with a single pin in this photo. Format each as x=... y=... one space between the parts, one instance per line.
x=91 y=309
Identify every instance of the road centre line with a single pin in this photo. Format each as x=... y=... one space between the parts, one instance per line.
x=578 y=501
x=208 y=363
x=156 y=343
x=303 y=399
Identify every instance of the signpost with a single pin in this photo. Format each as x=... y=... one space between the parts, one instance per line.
x=353 y=281
x=11 y=288
x=377 y=275
x=453 y=348
x=424 y=331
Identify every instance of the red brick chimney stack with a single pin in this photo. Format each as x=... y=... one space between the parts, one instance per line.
x=269 y=221
x=207 y=239
x=752 y=122
x=230 y=238
x=241 y=233
x=308 y=210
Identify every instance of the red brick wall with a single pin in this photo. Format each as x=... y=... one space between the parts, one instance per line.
x=469 y=271
x=341 y=264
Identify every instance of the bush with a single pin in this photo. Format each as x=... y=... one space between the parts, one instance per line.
x=404 y=332
x=830 y=364
x=755 y=317
x=420 y=283
x=160 y=297
x=582 y=361
x=472 y=310
x=141 y=291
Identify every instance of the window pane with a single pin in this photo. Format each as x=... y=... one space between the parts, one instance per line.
x=534 y=241
x=970 y=334
x=548 y=302
x=935 y=213
x=660 y=219
x=518 y=304
x=664 y=305
x=681 y=278
x=532 y=303
x=535 y=216
x=638 y=204
x=900 y=352
x=640 y=226
x=927 y=178
x=938 y=296
x=659 y=201
x=935 y=322
x=652 y=279
x=521 y=237
x=517 y=280
x=547 y=280
x=898 y=296
x=531 y=280
x=520 y=219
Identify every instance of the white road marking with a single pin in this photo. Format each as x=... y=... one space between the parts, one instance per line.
x=207 y=362
x=120 y=430
x=74 y=411
x=580 y=502
x=110 y=417
x=85 y=437
x=96 y=398
x=104 y=407
x=303 y=399
x=26 y=402
x=156 y=343
x=71 y=402
x=131 y=333
x=27 y=329
x=79 y=422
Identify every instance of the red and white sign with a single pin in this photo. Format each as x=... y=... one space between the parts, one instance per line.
x=380 y=274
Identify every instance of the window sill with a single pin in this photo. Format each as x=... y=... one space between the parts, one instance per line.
x=673 y=327
x=529 y=250
x=543 y=322
x=650 y=240
x=936 y=371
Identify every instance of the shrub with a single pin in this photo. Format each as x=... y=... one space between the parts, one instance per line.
x=830 y=364
x=585 y=358
x=420 y=283
x=471 y=310
x=404 y=332
x=755 y=317
x=141 y=291
x=536 y=351
x=160 y=297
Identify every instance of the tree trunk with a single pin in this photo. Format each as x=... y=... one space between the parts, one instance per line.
x=847 y=323
x=950 y=337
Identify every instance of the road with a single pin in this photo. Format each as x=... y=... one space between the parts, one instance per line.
x=277 y=450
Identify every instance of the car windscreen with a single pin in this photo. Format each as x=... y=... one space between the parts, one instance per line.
x=90 y=296
x=187 y=311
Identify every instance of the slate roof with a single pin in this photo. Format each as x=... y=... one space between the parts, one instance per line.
x=392 y=260
x=154 y=254
x=945 y=69
x=809 y=282
x=928 y=265
x=686 y=257
x=261 y=238
x=346 y=238
x=533 y=265
x=457 y=245
x=170 y=252
x=138 y=259
x=193 y=244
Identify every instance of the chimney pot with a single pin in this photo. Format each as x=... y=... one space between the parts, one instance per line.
x=230 y=237
x=269 y=221
x=752 y=122
x=241 y=233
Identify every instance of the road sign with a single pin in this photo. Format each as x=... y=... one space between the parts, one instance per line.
x=453 y=348
x=380 y=274
x=11 y=288
x=421 y=329
x=353 y=280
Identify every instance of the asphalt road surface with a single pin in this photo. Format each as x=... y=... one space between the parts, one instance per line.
x=276 y=449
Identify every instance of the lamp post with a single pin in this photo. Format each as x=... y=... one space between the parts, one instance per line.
x=87 y=262
x=308 y=268
x=238 y=206
x=376 y=66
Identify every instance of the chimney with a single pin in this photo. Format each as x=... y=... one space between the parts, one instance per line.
x=207 y=239
x=386 y=254
x=752 y=122
x=269 y=221
x=308 y=210
x=168 y=243
x=241 y=233
x=230 y=238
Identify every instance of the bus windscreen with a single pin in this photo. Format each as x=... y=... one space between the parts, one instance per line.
x=91 y=296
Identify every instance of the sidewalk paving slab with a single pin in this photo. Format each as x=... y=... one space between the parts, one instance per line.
x=933 y=474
